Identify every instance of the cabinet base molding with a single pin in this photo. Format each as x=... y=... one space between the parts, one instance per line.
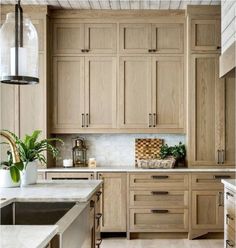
x=166 y=235
x=193 y=234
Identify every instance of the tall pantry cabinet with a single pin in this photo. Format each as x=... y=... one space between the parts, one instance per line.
x=211 y=100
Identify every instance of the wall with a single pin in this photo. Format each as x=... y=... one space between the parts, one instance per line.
x=112 y=149
x=228 y=23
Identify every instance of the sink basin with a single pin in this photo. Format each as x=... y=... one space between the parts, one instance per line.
x=34 y=213
x=71 y=219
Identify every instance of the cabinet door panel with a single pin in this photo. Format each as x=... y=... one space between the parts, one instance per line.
x=100 y=88
x=68 y=88
x=204 y=89
x=207 y=210
x=100 y=38
x=168 y=92
x=168 y=38
x=135 y=92
x=113 y=202
x=33 y=104
x=135 y=38
x=205 y=35
x=68 y=38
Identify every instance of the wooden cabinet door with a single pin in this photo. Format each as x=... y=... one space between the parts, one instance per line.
x=100 y=92
x=168 y=37
x=205 y=35
x=135 y=92
x=228 y=143
x=113 y=202
x=207 y=210
x=68 y=38
x=33 y=104
x=168 y=92
x=135 y=38
x=205 y=115
x=100 y=38
x=68 y=90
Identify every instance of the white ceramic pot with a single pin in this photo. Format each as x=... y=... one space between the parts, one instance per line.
x=29 y=174
x=6 y=181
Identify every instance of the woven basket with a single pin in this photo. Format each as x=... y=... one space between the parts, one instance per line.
x=156 y=163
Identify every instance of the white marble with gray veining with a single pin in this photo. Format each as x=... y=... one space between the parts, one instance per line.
x=134 y=169
x=53 y=191
x=230 y=184
x=26 y=236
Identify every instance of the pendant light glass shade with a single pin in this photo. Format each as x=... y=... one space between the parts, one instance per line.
x=18 y=50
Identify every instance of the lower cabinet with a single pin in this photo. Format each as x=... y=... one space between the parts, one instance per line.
x=113 y=202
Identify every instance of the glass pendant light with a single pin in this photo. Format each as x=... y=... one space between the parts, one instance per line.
x=18 y=49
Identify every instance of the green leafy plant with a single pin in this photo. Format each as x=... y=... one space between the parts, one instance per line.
x=30 y=149
x=14 y=168
x=177 y=151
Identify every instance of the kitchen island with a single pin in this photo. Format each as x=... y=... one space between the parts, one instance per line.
x=48 y=213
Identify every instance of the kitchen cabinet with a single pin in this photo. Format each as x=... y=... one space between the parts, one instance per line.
x=205 y=35
x=211 y=113
x=159 y=101
x=150 y=38
x=68 y=92
x=208 y=209
x=83 y=38
x=100 y=92
x=86 y=86
x=113 y=202
x=168 y=92
x=135 y=92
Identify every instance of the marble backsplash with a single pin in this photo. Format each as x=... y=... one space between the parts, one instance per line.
x=112 y=149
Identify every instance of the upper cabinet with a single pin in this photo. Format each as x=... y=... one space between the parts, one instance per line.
x=79 y=38
x=205 y=35
x=152 y=38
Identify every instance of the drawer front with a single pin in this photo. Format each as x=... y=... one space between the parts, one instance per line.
x=159 y=180
x=229 y=238
x=230 y=208
x=69 y=176
x=161 y=220
x=209 y=180
x=162 y=199
x=230 y=198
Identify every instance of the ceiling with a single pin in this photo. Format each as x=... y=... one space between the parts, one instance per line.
x=116 y=4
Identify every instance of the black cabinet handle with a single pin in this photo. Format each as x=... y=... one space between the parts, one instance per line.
x=160 y=177
x=82 y=50
x=87 y=120
x=218 y=47
x=160 y=192
x=229 y=194
x=154 y=119
x=159 y=211
x=83 y=120
x=222 y=176
x=92 y=204
x=149 y=120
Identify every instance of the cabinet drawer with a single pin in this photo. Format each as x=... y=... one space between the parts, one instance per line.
x=229 y=238
x=160 y=199
x=69 y=176
x=159 y=180
x=230 y=219
x=230 y=198
x=153 y=219
x=209 y=180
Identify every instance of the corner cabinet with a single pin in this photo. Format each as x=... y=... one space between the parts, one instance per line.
x=211 y=110
x=84 y=93
x=157 y=104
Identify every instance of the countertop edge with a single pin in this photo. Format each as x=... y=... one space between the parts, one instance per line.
x=229 y=184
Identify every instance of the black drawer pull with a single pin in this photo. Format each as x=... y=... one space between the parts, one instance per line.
x=160 y=177
x=98 y=216
x=159 y=211
x=160 y=192
x=92 y=204
x=228 y=217
x=98 y=242
x=229 y=243
x=222 y=176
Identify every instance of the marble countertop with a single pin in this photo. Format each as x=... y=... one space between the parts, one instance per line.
x=133 y=169
x=229 y=183
x=52 y=191
x=26 y=236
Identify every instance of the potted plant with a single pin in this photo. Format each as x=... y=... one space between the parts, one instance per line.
x=31 y=151
x=178 y=152
x=10 y=172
